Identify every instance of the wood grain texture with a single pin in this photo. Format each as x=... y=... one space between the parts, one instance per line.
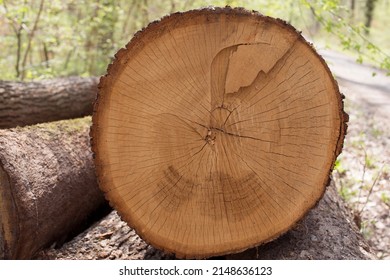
x=27 y=103
x=48 y=188
x=215 y=130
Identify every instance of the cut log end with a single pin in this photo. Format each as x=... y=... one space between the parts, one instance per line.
x=216 y=130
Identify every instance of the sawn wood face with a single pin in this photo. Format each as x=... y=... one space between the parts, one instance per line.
x=215 y=130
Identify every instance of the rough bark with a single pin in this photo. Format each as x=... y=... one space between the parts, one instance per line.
x=327 y=232
x=216 y=130
x=48 y=188
x=44 y=101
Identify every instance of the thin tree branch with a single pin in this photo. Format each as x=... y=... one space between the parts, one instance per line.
x=371 y=190
x=355 y=32
x=18 y=33
x=10 y=19
x=30 y=37
x=126 y=23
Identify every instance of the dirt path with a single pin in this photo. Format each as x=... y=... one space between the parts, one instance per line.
x=363 y=171
x=357 y=82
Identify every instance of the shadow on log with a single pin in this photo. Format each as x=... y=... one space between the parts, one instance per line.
x=44 y=101
x=327 y=232
x=48 y=189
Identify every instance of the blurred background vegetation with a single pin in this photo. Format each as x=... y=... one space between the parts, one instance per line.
x=49 y=38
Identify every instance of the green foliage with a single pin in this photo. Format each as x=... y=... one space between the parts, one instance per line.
x=352 y=33
x=347 y=192
x=385 y=198
x=370 y=162
x=338 y=166
x=367 y=228
x=43 y=39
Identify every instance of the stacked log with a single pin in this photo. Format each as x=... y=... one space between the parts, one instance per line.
x=48 y=188
x=45 y=101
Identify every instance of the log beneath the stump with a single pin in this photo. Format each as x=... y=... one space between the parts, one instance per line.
x=48 y=187
x=27 y=103
x=327 y=232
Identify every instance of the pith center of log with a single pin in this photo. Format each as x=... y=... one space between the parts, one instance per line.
x=217 y=124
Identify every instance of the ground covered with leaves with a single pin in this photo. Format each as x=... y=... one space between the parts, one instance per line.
x=362 y=172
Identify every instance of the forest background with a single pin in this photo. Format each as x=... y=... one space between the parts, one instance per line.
x=42 y=39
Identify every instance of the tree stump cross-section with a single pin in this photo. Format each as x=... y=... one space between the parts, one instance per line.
x=215 y=130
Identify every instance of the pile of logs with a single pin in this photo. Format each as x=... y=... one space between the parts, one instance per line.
x=49 y=193
x=202 y=152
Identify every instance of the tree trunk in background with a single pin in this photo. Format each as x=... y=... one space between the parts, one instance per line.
x=352 y=12
x=44 y=101
x=369 y=13
x=48 y=188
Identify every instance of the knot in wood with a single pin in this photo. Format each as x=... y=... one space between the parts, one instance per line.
x=210 y=137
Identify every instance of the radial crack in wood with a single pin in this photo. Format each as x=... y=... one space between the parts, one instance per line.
x=215 y=130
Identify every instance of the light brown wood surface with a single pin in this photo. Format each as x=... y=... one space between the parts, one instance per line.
x=215 y=130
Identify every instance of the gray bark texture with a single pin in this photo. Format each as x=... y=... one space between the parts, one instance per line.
x=327 y=232
x=29 y=103
x=48 y=188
